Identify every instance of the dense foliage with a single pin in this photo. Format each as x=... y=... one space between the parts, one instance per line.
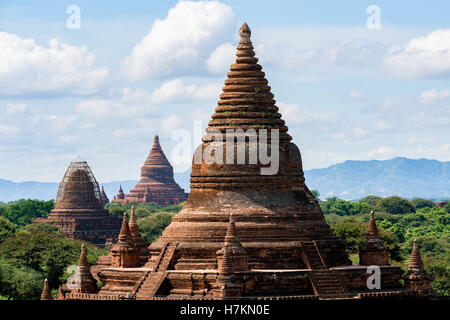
x=400 y=221
x=36 y=252
x=23 y=212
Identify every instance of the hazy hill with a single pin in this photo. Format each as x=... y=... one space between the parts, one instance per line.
x=348 y=180
x=399 y=176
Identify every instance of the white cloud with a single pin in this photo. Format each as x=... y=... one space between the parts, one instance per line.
x=15 y=108
x=381 y=125
x=381 y=152
x=430 y=96
x=423 y=57
x=170 y=91
x=180 y=43
x=111 y=109
x=176 y=90
x=293 y=115
x=356 y=95
x=27 y=68
x=339 y=136
x=171 y=123
x=356 y=54
x=359 y=132
x=8 y=130
x=416 y=140
x=221 y=58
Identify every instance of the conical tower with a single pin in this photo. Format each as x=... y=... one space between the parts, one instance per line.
x=373 y=252
x=157 y=176
x=275 y=209
x=415 y=261
x=416 y=278
x=238 y=256
x=79 y=210
x=104 y=197
x=124 y=254
x=46 y=294
x=137 y=238
x=82 y=281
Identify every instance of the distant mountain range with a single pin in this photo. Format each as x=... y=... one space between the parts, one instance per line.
x=348 y=180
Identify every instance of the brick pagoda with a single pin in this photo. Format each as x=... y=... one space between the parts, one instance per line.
x=79 y=211
x=156 y=184
x=244 y=235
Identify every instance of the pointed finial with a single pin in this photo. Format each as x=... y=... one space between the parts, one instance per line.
x=125 y=233
x=245 y=32
x=46 y=294
x=231 y=236
x=120 y=189
x=134 y=228
x=82 y=261
x=156 y=139
x=372 y=230
x=416 y=260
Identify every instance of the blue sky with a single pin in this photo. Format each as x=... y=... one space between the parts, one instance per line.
x=146 y=67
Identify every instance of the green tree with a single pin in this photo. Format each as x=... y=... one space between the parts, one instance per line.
x=422 y=203
x=40 y=227
x=395 y=205
x=429 y=246
x=7 y=229
x=353 y=232
x=46 y=253
x=152 y=226
x=23 y=212
x=343 y=207
x=371 y=200
x=19 y=283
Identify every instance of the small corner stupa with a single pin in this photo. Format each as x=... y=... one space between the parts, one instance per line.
x=416 y=278
x=79 y=209
x=157 y=183
x=105 y=199
x=373 y=252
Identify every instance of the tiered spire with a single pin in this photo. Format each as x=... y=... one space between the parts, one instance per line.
x=415 y=260
x=156 y=157
x=372 y=229
x=134 y=229
x=231 y=238
x=104 y=196
x=416 y=278
x=82 y=261
x=82 y=281
x=125 y=234
x=120 y=194
x=125 y=253
x=246 y=101
x=373 y=252
x=46 y=294
x=157 y=176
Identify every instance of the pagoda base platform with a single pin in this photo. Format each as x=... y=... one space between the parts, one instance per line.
x=349 y=282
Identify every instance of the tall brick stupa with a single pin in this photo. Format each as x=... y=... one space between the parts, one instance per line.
x=157 y=183
x=243 y=234
x=79 y=211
